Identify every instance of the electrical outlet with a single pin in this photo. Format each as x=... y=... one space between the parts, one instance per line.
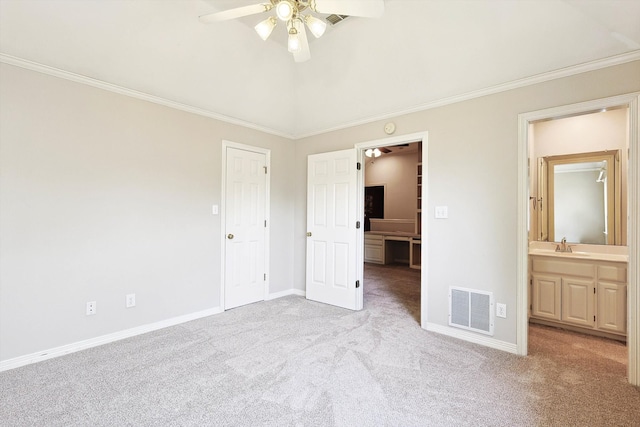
x=91 y=308
x=501 y=310
x=131 y=300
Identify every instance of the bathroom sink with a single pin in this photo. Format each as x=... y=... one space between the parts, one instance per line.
x=548 y=252
x=580 y=254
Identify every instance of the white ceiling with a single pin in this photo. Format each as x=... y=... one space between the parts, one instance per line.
x=418 y=53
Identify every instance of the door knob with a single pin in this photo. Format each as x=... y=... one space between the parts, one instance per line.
x=229 y=236
x=308 y=234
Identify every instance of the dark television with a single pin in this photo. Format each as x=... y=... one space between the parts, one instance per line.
x=373 y=204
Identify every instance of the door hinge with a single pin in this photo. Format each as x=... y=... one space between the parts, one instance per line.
x=265 y=170
x=357 y=284
x=358 y=165
x=265 y=222
x=594 y=290
x=594 y=318
x=265 y=277
x=531 y=282
x=357 y=224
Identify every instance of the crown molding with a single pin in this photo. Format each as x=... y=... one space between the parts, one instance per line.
x=78 y=78
x=515 y=84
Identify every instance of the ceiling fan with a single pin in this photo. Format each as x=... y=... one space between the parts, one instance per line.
x=296 y=14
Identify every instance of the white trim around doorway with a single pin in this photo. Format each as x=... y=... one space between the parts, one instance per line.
x=632 y=101
x=387 y=142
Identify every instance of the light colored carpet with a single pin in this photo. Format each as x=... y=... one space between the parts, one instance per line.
x=291 y=362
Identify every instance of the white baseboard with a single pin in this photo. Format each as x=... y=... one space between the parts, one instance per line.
x=39 y=356
x=474 y=338
x=285 y=294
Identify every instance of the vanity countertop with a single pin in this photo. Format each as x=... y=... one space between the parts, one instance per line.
x=582 y=251
x=580 y=255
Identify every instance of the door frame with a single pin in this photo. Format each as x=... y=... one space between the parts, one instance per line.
x=422 y=136
x=631 y=100
x=223 y=197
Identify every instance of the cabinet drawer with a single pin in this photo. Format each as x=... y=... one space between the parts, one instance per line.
x=373 y=240
x=563 y=267
x=612 y=272
x=373 y=253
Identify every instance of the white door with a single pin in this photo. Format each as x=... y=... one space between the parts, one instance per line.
x=331 y=229
x=245 y=227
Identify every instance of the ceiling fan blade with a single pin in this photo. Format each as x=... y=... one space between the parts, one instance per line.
x=304 y=54
x=238 y=12
x=385 y=150
x=364 y=8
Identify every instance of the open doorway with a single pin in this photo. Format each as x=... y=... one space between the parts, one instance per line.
x=588 y=286
x=393 y=193
x=392 y=240
x=578 y=193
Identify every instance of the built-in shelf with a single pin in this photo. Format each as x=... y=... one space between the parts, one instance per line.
x=419 y=194
x=415 y=244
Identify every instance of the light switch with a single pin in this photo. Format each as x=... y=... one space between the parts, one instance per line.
x=442 y=212
x=214 y=209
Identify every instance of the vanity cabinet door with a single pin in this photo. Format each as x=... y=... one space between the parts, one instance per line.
x=578 y=301
x=546 y=297
x=612 y=307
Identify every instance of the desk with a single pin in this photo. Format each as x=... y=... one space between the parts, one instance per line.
x=386 y=247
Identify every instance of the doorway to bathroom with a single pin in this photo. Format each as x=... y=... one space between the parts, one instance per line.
x=575 y=272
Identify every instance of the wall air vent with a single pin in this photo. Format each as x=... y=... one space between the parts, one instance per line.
x=335 y=19
x=471 y=309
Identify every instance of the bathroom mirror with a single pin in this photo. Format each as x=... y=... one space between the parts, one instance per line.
x=580 y=198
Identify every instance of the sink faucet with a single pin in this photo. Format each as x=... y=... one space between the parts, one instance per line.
x=563 y=247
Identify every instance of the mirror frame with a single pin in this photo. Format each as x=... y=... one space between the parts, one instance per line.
x=546 y=187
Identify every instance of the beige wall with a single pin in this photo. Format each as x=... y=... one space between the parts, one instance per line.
x=397 y=172
x=472 y=168
x=102 y=195
x=587 y=133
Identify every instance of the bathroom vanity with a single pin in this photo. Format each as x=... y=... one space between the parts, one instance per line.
x=585 y=289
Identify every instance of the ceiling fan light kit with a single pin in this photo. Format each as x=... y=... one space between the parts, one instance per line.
x=265 y=28
x=284 y=10
x=290 y=12
x=294 y=41
x=373 y=152
x=315 y=25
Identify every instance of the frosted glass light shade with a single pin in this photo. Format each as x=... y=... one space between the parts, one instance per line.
x=315 y=25
x=265 y=28
x=294 y=41
x=284 y=10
